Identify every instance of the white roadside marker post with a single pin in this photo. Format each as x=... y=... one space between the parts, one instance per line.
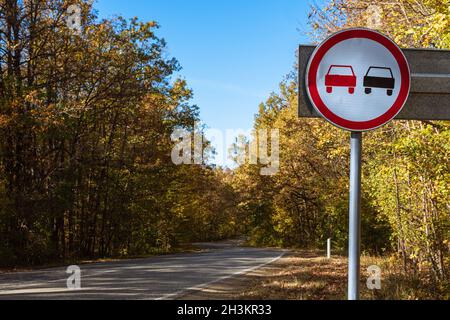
x=329 y=249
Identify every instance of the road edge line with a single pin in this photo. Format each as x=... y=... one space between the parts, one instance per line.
x=180 y=293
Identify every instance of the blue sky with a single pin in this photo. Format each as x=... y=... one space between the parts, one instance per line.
x=234 y=53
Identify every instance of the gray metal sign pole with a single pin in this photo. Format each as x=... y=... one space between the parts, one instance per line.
x=355 y=217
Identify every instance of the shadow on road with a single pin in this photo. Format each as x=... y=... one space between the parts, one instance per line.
x=160 y=277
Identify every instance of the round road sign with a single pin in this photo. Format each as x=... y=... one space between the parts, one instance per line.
x=358 y=79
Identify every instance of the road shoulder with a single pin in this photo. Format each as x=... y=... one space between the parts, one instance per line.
x=298 y=275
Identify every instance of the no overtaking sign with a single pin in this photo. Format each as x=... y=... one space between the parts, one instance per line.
x=358 y=79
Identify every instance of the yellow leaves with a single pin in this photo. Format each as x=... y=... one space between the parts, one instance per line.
x=4 y=121
x=410 y=23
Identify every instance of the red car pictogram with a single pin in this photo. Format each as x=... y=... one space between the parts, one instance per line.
x=340 y=76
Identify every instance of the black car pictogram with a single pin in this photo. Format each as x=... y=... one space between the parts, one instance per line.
x=379 y=77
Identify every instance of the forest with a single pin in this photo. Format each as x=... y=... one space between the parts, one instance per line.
x=85 y=149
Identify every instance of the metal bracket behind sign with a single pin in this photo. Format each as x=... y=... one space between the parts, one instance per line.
x=430 y=88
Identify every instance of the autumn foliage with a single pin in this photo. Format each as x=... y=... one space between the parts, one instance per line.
x=85 y=148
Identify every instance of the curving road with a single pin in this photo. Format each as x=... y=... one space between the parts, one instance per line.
x=162 y=277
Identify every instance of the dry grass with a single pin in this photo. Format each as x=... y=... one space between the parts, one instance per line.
x=396 y=285
x=306 y=275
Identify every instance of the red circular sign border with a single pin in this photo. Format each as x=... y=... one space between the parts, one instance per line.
x=319 y=105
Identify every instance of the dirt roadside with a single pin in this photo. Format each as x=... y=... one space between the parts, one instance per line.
x=308 y=275
x=299 y=275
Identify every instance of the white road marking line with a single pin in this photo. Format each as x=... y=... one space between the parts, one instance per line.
x=38 y=291
x=430 y=75
x=203 y=285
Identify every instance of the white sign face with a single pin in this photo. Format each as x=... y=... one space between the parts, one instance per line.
x=358 y=79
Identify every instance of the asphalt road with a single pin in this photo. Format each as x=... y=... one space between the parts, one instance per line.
x=162 y=277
